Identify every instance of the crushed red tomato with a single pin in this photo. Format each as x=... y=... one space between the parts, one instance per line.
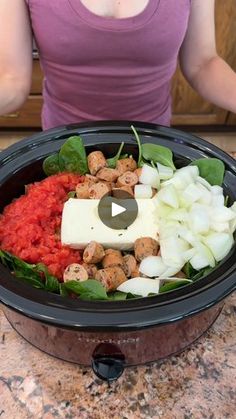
x=30 y=225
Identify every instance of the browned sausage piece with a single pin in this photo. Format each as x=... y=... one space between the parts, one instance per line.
x=82 y=190
x=111 y=278
x=117 y=192
x=93 y=253
x=107 y=174
x=90 y=179
x=136 y=273
x=126 y=165
x=145 y=246
x=138 y=171
x=91 y=269
x=75 y=272
x=130 y=265
x=98 y=190
x=96 y=161
x=112 y=258
x=127 y=179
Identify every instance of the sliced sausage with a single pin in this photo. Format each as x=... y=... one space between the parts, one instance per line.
x=117 y=192
x=145 y=246
x=126 y=165
x=138 y=171
x=130 y=265
x=107 y=174
x=90 y=179
x=82 y=190
x=91 y=269
x=136 y=273
x=75 y=272
x=98 y=190
x=96 y=161
x=111 y=278
x=112 y=258
x=93 y=253
x=127 y=179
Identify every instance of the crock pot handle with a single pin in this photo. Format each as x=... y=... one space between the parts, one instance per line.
x=108 y=362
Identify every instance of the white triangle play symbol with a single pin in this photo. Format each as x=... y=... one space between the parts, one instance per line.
x=116 y=209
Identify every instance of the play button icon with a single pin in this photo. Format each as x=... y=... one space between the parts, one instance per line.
x=118 y=212
x=116 y=209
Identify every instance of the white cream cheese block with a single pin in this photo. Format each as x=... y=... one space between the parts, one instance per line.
x=81 y=224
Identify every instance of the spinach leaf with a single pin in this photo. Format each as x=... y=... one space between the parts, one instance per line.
x=87 y=290
x=192 y=274
x=22 y=270
x=36 y=275
x=113 y=160
x=34 y=281
x=71 y=194
x=140 y=160
x=51 y=165
x=72 y=156
x=63 y=291
x=211 y=169
x=169 y=286
x=226 y=200
x=189 y=270
x=51 y=282
x=158 y=154
x=117 y=296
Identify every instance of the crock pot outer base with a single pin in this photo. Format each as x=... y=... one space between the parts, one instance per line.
x=138 y=347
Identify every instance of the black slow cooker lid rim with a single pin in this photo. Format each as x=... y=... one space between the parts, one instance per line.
x=125 y=128
x=63 y=132
x=103 y=321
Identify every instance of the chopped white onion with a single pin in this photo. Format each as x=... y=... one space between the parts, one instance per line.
x=149 y=176
x=165 y=172
x=152 y=266
x=191 y=194
x=140 y=286
x=199 y=219
x=142 y=191
x=219 y=244
x=169 y=196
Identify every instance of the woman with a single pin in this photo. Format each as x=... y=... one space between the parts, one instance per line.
x=110 y=59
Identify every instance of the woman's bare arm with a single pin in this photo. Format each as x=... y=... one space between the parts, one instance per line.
x=15 y=55
x=206 y=72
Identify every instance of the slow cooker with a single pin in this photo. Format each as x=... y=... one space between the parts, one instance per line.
x=110 y=336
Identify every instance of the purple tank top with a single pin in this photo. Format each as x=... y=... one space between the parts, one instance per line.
x=99 y=68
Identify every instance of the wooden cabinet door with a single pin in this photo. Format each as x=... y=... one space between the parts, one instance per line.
x=231 y=119
x=188 y=107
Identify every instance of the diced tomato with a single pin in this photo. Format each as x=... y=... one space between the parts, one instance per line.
x=30 y=225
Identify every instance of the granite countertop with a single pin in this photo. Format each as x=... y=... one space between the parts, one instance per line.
x=200 y=383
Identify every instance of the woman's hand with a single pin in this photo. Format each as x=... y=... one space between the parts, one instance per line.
x=206 y=72
x=15 y=55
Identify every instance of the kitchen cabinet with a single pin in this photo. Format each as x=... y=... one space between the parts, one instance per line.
x=231 y=119
x=188 y=107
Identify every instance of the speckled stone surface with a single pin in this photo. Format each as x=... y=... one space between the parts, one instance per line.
x=198 y=383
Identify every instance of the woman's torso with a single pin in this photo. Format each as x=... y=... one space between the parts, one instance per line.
x=100 y=67
x=116 y=8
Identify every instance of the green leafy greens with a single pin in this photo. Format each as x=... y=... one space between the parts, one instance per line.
x=113 y=160
x=71 y=158
x=211 y=169
x=153 y=153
